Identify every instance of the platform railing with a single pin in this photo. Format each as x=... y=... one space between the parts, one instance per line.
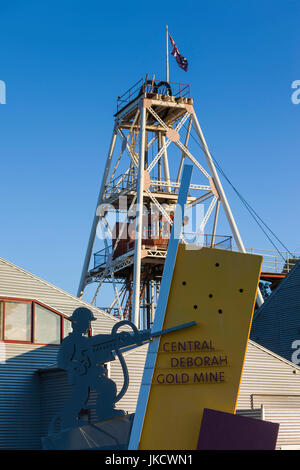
x=120 y=183
x=275 y=262
x=111 y=310
x=272 y=262
x=223 y=242
x=101 y=257
x=157 y=185
x=152 y=85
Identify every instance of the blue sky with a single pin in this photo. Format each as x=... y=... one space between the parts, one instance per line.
x=64 y=64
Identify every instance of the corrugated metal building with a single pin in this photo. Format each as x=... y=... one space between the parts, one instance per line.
x=271 y=384
x=32 y=392
x=268 y=391
x=21 y=417
x=276 y=324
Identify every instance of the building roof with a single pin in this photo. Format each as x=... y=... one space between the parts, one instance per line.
x=276 y=356
x=294 y=276
x=16 y=282
x=276 y=324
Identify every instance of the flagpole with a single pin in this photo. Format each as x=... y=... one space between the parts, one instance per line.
x=167 y=53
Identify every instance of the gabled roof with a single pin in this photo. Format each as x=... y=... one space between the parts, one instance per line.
x=16 y=282
x=276 y=356
x=292 y=279
x=276 y=324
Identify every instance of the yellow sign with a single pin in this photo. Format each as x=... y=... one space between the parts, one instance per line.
x=200 y=367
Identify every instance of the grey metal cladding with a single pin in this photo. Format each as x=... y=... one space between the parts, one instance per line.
x=55 y=388
x=21 y=417
x=16 y=282
x=266 y=372
x=276 y=324
x=28 y=400
x=20 y=395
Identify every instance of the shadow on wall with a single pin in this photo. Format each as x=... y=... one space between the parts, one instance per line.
x=20 y=393
x=32 y=391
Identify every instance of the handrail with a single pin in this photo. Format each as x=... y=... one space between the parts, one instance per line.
x=277 y=262
x=148 y=85
x=161 y=244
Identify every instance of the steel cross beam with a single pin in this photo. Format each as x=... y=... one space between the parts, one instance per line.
x=127 y=144
x=128 y=149
x=139 y=220
x=193 y=159
x=200 y=199
x=165 y=144
x=108 y=267
x=100 y=282
x=185 y=144
x=108 y=271
x=222 y=195
x=89 y=249
x=161 y=151
x=173 y=184
x=159 y=206
x=120 y=292
x=152 y=141
x=163 y=124
x=164 y=213
x=115 y=169
x=208 y=213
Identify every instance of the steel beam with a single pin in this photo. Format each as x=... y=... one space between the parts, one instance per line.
x=89 y=249
x=139 y=222
x=220 y=190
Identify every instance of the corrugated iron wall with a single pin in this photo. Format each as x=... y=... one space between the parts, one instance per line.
x=55 y=388
x=265 y=373
x=16 y=282
x=274 y=383
x=289 y=420
x=20 y=395
x=22 y=419
x=28 y=401
x=26 y=410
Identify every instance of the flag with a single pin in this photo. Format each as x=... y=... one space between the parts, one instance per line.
x=181 y=61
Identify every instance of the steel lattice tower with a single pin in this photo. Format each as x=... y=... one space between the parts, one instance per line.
x=152 y=128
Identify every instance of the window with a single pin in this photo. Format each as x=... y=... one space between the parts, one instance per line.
x=29 y=321
x=47 y=326
x=67 y=327
x=17 y=322
x=1 y=320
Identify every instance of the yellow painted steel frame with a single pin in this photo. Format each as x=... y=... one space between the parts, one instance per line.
x=200 y=367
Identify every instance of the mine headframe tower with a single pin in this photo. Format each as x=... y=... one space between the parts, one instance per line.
x=149 y=145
